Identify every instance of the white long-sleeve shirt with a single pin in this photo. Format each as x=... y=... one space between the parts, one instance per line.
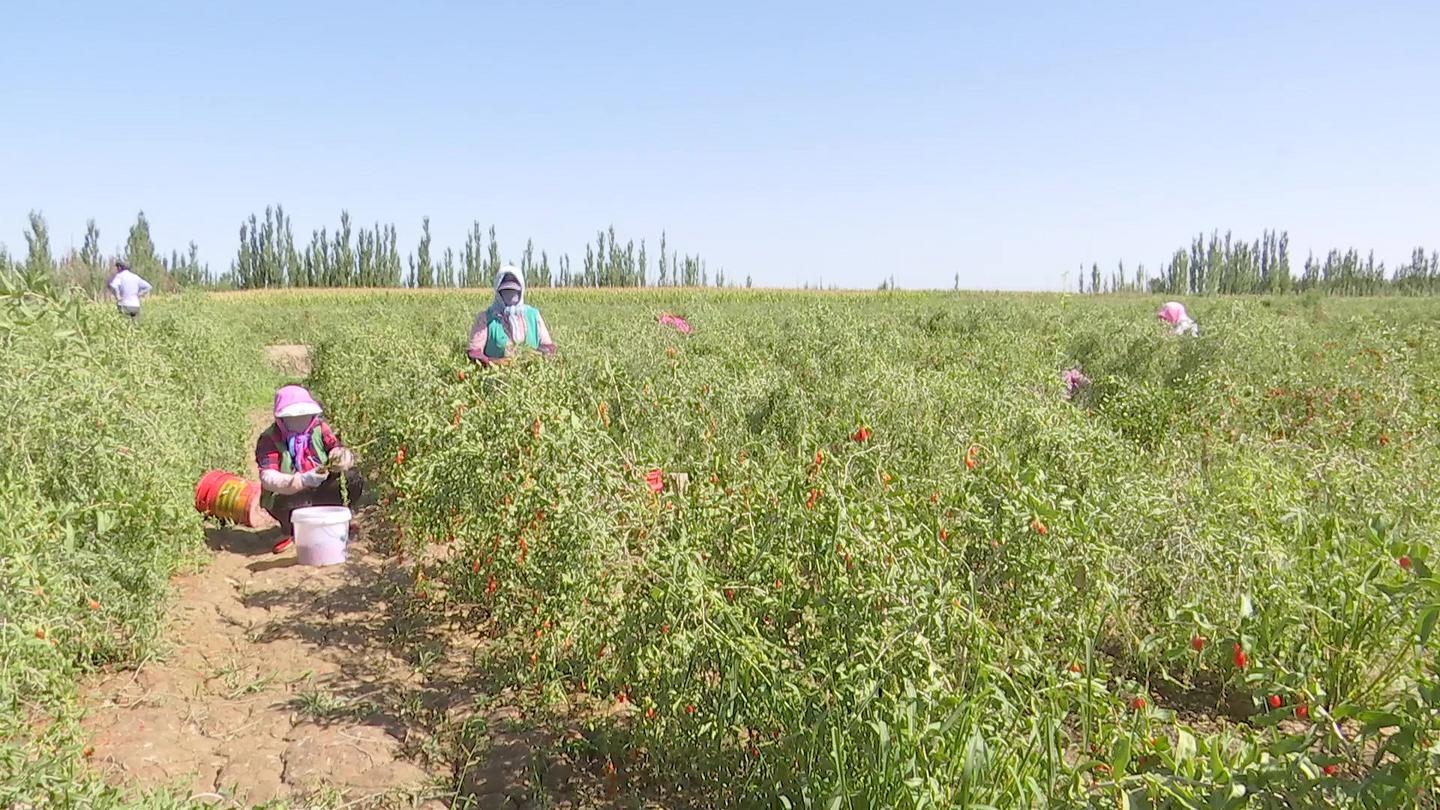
x=128 y=288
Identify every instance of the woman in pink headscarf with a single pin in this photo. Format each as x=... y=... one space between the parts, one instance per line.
x=1174 y=314
x=301 y=461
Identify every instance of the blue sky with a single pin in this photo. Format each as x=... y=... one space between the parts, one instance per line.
x=787 y=141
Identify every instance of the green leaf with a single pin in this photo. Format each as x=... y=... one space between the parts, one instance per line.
x=1184 y=745
x=976 y=757
x=1218 y=771
x=1428 y=616
x=882 y=732
x=1120 y=760
x=1374 y=721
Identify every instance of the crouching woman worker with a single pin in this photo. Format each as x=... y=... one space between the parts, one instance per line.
x=508 y=321
x=301 y=461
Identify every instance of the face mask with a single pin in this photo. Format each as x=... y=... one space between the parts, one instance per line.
x=296 y=424
x=510 y=297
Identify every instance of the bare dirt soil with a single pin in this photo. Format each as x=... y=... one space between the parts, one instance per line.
x=281 y=685
x=290 y=359
x=313 y=687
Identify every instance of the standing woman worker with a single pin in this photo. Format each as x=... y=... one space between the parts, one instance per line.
x=509 y=320
x=128 y=288
x=301 y=461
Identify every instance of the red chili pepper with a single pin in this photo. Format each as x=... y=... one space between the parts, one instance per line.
x=1276 y=701
x=1302 y=712
x=400 y=455
x=1405 y=563
x=1329 y=770
x=690 y=708
x=861 y=435
x=1037 y=526
x=1137 y=703
x=1197 y=643
x=655 y=479
x=1076 y=668
x=1241 y=659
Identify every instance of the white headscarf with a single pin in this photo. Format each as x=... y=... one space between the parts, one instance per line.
x=513 y=317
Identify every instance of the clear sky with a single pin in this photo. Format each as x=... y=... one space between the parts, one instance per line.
x=790 y=141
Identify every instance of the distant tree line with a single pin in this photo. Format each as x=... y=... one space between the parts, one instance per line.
x=1216 y=265
x=89 y=267
x=348 y=256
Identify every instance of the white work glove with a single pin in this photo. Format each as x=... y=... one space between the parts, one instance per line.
x=313 y=479
x=341 y=458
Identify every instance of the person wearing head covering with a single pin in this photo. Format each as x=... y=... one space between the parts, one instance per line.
x=302 y=462
x=128 y=288
x=1174 y=314
x=1075 y=381
x=509 y=321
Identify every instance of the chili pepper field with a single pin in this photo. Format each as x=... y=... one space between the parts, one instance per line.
x=829 y=550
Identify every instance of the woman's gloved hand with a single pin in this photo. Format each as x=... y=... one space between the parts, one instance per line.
x=313 y=479
x=342 y=459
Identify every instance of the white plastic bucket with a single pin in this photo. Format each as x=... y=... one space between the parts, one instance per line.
x=321 y=533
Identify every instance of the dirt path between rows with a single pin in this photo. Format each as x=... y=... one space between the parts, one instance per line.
x=312 y=686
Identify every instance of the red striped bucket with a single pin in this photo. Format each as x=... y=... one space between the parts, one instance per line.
x=228 y=497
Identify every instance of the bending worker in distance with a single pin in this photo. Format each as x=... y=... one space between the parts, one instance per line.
x=1174 y=314
x=301 y=462
x=509 y=320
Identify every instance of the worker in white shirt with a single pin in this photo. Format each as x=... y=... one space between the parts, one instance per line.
x=128 y=289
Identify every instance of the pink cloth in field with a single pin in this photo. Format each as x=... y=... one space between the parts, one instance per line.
x=1172 y=313
x=676 y=322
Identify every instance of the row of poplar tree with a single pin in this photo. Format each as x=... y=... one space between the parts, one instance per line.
x=1217 y=265
x=369 y=257
x=354 y=257
x=90 y=267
